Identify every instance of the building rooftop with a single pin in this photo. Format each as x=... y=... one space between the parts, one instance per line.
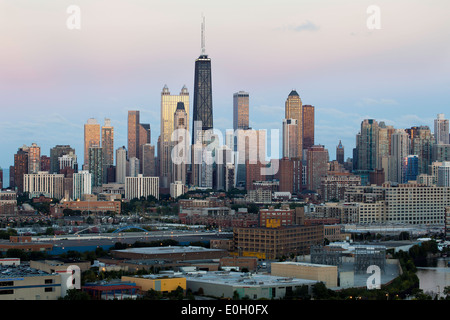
x=19 y=272
x=246 y=279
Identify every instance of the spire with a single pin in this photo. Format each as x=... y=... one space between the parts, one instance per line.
x=184 y=91
x=203 y=35
x=165 y=90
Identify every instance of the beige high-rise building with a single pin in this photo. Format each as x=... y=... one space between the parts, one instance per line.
x=34 y=158
x=91 y=137
x=241 y=110
x=168 y=107
x=294 y=110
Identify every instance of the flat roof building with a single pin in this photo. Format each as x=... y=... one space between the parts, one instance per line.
x=319 y=272
x=253 y=286
x=24 y=283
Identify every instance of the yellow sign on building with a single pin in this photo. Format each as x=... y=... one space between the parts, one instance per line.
x=273 y=223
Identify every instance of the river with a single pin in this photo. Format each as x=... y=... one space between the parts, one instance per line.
x=433 y=280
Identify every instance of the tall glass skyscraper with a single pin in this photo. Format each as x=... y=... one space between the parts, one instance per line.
x=202 y=118
x=203 y=107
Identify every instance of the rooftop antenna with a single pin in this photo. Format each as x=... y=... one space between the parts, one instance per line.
x=203 y=35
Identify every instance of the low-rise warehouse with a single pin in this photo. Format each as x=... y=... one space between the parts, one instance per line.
x=253 y=286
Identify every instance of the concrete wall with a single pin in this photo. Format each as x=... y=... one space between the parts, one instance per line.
x=323 y=273
x=32 y=288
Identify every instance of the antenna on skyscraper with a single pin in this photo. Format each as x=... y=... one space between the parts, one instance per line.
x=203 y=34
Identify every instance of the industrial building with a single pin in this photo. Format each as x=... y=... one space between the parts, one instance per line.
x=21 y=282
x=160 y=283
x=254 y=286
x=272 y=243
x=352 y=262
x=327 y=274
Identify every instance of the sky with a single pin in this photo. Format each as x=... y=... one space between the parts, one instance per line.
x=53 y=78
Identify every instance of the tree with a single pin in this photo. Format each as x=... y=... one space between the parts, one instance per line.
x=302 y=293
x=177 y=294
x=75 y=294
x=8 y=233
x=151 y=295
x=253 y=208
x=447 y=292
x=321 y=292
x=17 y=253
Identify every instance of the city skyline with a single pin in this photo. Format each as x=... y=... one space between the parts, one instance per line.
x=50 y=91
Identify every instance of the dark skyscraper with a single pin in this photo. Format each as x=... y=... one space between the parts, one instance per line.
x=340 y=153
x=20 y=167
x=367 y=145
x=203 y=108
x=133 y=134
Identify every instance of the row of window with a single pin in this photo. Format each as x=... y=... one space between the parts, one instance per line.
x=11 y=291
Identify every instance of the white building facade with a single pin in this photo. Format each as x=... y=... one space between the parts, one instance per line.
x=140 y=186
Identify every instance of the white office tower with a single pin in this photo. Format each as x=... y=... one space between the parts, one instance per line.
x=82 y=184
x=441 y=129
x=44 y=183
x=140 y=186
x=443 y=179
x=176 y=189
